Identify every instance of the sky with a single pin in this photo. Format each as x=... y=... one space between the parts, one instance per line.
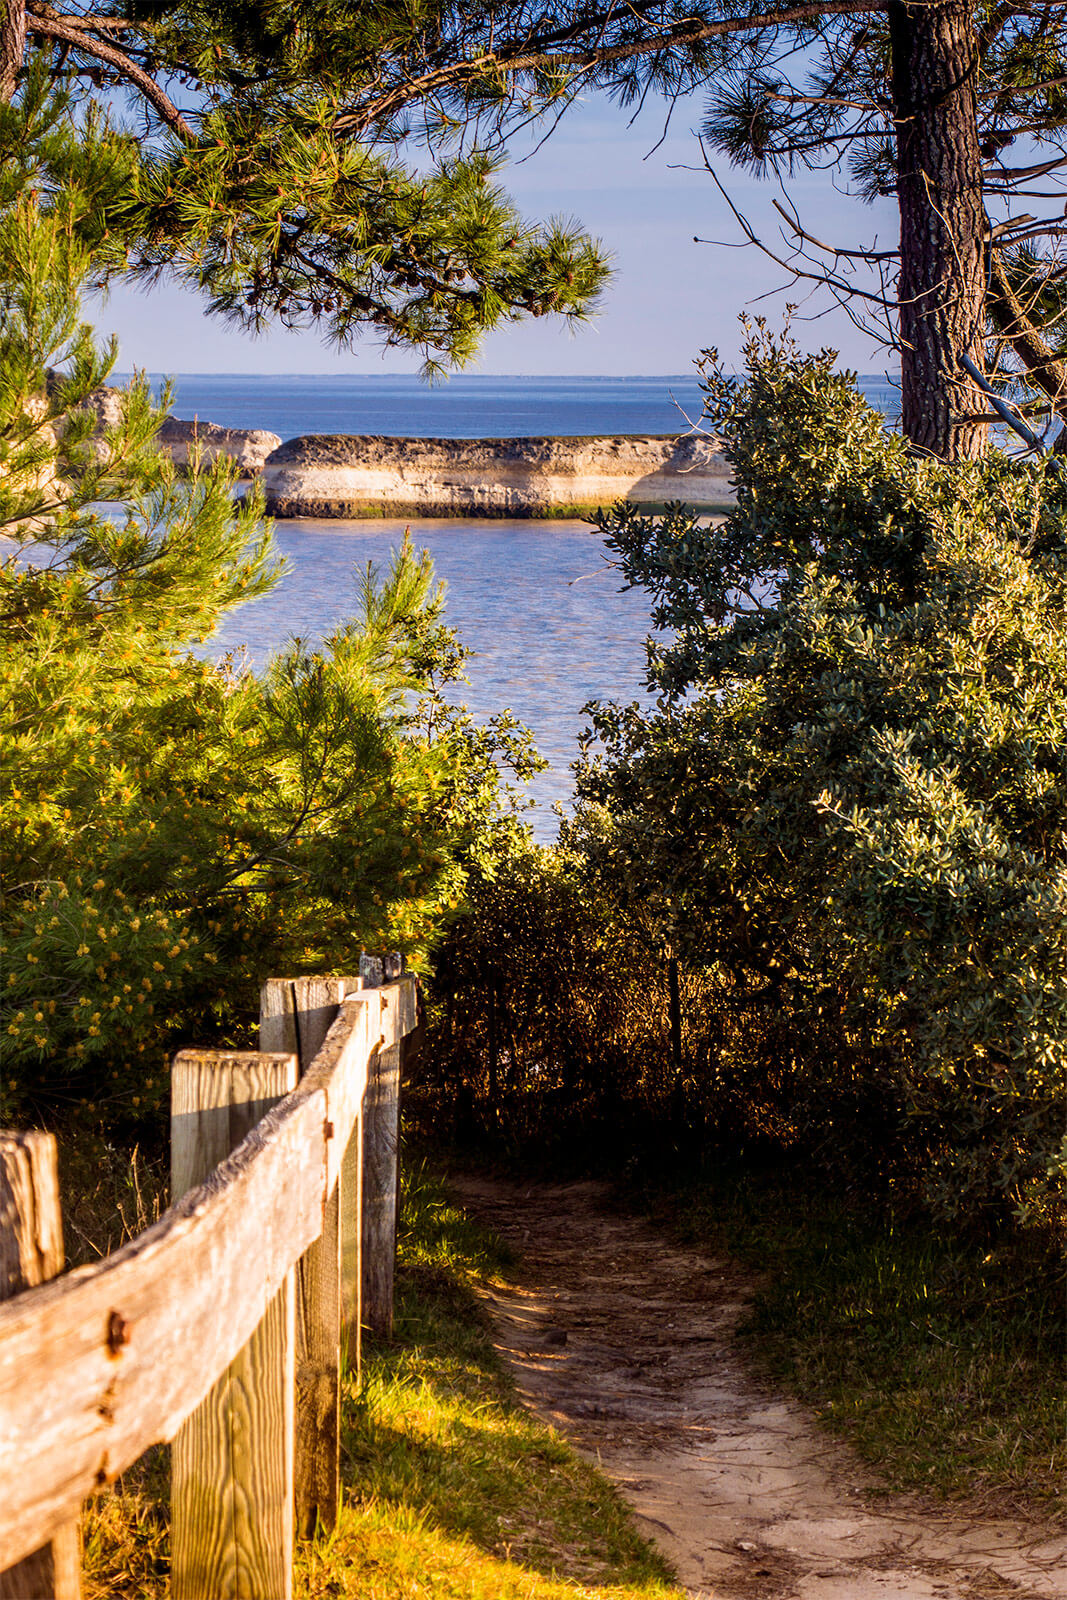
x=645 y=199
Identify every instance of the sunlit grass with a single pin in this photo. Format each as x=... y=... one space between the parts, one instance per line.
x=451 y=1490
x=438 y=1437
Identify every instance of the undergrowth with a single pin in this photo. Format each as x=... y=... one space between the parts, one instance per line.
x=940 y=1359
x=451 y=1490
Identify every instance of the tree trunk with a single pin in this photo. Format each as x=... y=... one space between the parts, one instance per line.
x=674 y=1007
x=12 y=45
x=942 y=224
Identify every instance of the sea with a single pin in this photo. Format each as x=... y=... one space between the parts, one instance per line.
x=541 y=604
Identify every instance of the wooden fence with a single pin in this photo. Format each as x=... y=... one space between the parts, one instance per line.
x=227 y=1325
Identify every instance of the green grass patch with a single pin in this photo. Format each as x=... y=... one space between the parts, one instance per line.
x=451 y=1490
x=492 y=1501
x=940 y=1360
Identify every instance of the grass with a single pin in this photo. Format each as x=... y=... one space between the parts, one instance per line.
x=452 y=1491
x=940 y=1360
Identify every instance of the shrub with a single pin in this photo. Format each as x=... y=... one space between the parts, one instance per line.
x=850 y=799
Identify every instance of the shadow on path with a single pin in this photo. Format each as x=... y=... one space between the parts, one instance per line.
x=625 y=1344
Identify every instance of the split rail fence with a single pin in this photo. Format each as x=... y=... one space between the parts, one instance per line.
x=227 y=1325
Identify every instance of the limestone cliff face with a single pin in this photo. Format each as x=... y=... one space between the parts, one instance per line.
x=354 y=475
x=180 y=439
x=249 y=447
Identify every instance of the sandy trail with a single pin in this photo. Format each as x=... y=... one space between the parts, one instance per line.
x=624 y=1343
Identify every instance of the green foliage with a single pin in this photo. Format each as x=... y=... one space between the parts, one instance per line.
x=176 y=830
x=273 y=214
x=851 y=795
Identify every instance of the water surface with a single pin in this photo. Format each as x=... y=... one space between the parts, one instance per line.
x=538 y=602
x=467 y=406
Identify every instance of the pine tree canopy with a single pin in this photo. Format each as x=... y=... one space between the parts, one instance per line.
x=337 y=164
x=252 y=153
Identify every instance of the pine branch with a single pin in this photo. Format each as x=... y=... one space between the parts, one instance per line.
x=529 y=56
x=61 y=29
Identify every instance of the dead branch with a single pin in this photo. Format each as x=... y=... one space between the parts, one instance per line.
x=793 y=224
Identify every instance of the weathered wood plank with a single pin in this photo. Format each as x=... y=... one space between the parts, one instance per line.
x=369 y=1300
x=106 y=1361
x=232 y=1464
x=297 y=1014
x=31 y=1223
x=95 y=1366
x=350 y=1190
x=31 y=1252
x=381 y=1133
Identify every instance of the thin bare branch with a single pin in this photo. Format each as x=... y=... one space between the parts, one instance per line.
x=793 y=223
x=822 y=276
x=1042 y=367
x=1004 y=411
x=1011 y=174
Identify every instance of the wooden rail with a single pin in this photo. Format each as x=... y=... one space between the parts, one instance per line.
x=99 y=1364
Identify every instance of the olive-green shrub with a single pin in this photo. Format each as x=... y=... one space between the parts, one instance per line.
x=851 y=797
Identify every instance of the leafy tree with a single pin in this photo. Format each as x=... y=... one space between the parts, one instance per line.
x=851 y=793
x=175 y=830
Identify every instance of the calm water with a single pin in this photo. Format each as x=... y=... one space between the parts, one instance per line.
x=465 y=407
x=537 y=602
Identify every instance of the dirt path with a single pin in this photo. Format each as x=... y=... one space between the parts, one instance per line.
x=623 y=1342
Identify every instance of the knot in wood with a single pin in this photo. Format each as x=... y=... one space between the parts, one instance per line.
x=118 y=1332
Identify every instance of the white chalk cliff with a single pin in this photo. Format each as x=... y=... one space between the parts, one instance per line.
x=353 y=475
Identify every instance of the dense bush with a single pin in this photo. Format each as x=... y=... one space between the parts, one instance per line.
x=851 y=798
x=550 y=1019
x=554 y=1034
x=844 y=818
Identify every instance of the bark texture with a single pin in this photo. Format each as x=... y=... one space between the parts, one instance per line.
x=942 y=224
x=12 y=45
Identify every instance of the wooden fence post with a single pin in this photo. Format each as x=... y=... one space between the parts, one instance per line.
x=296 y=1014
x=232 y=1464
x=350 y=1221
x=31 y=1252
x=381 y=1134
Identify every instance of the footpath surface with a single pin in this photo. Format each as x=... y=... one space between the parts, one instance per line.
x=625 y=1344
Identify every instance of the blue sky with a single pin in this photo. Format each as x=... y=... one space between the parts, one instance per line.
x=670 y=296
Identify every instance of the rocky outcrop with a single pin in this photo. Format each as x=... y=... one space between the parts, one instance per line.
x=179 y=439
x=353 y=475
x=249 y=447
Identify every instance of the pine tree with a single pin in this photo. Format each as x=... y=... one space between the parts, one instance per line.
x=175 y=830
x=334 y=164
x=258 y=196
